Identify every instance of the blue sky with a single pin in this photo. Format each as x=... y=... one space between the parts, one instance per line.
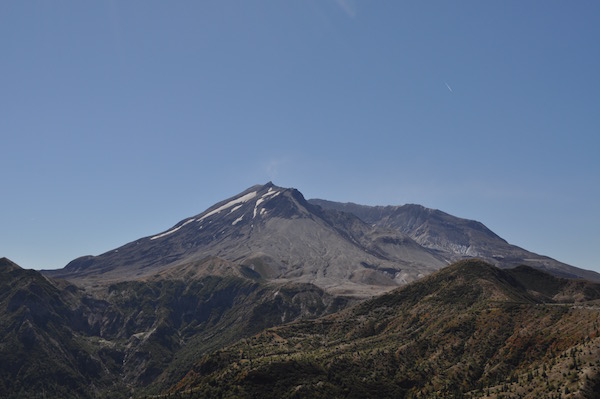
x=118 y=119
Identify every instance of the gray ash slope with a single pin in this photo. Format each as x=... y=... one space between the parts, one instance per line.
x=274 y=234
x=454 y=238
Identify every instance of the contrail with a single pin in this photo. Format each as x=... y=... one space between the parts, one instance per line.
x=449 y=88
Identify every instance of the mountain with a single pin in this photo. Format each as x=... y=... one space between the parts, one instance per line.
x=454 y=238
x=470 y=330
x=134 y=337
x=194 y=307
x=278 y=236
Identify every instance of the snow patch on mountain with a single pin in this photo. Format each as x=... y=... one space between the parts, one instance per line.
x=235 y=208
x=236 y=221
x=172 y=230
x=240 y=200
x=271 y=193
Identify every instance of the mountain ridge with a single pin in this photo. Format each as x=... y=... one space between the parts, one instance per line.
x=456 y=238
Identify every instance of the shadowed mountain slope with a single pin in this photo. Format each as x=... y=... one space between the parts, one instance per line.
x=43 y=343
